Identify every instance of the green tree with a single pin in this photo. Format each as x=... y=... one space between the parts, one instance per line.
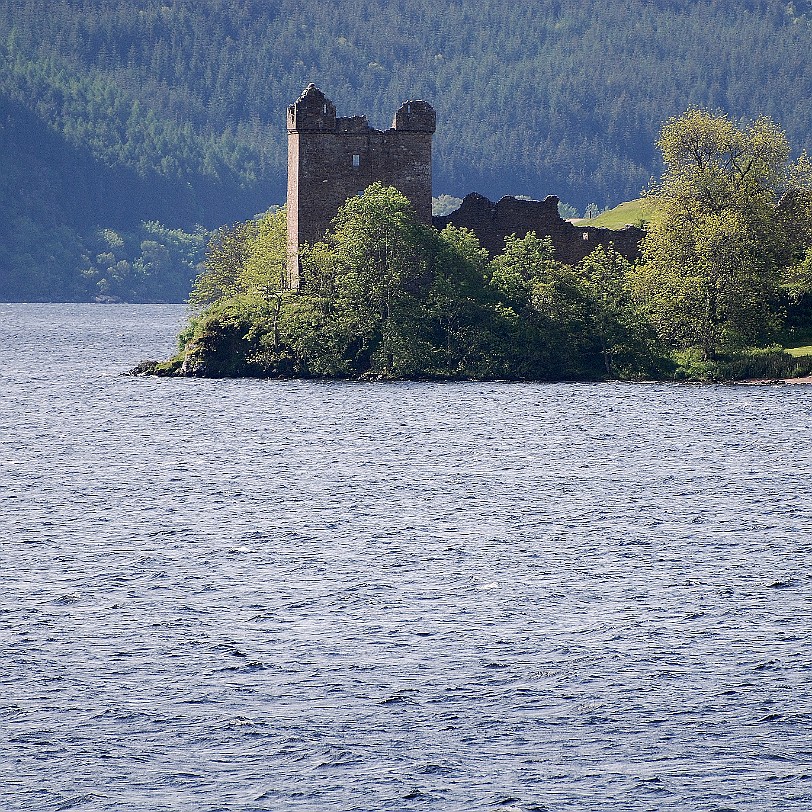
x=375 y=269
x=551 y=306
x=622 y=335
x=798 y=289
x=226 y=257
x=263 y=269
x=715 y=245
x=459 y=306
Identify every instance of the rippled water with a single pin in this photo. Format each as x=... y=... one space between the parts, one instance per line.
x=255 y=595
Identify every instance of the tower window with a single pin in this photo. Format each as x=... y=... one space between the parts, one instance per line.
x=356 y=161
x=324 y=110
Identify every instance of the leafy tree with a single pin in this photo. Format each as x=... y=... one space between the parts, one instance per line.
x=382 y=295
x=714 y=249
x=797 y=284
x=380 y=261
x=624 y=339
x=226 y=257
x=550 y=302
x=458 y=305
x=263 y=269
x=522 y=264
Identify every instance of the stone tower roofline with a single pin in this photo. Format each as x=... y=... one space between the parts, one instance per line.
x=314 y=112
x=415 y=116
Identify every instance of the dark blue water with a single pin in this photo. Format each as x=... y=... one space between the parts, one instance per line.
x=255 y=595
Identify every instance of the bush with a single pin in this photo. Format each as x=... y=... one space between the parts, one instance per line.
x=770 y=363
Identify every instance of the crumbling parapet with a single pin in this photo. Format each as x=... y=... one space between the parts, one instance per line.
x=492 y=222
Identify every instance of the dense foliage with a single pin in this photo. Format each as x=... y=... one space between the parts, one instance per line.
x=387 y=297
x=137 y=110
x=730 y=222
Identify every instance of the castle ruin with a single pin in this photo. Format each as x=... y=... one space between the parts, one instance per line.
x=332 y=158
x=492 y=222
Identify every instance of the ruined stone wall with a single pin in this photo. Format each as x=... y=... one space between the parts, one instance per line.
x=331 y=159
x=492 y=222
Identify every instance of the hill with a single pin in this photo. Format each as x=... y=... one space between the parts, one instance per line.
x=632 y=212
x=133 y=111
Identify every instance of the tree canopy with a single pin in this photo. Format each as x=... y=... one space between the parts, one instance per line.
x=719 y=238
x=385 y=296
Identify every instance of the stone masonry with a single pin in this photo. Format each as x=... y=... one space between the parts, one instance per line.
x=332 y=158
x=492 y=222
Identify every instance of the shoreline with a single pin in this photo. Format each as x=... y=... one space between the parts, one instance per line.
x=172 y=369
x=774 y=381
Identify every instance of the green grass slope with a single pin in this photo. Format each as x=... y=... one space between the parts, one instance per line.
x=632 y=212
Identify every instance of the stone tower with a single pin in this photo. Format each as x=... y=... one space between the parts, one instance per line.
x=331 y=159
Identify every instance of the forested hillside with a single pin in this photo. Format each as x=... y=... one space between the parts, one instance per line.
x=134 y=111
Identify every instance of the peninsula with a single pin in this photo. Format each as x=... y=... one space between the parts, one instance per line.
x=353 y=279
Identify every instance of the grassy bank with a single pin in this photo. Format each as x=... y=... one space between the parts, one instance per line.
x=631 y=212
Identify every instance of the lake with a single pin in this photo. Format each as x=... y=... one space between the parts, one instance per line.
x=264 y=595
